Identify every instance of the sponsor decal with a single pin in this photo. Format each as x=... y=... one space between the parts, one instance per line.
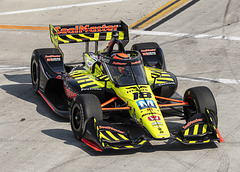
x=86 y=29
x=53 y=58
x=143 y=104
x=162 y=134
x=148 y=52
x=137 y=62
x=59 y=77
x=154 y=118
x=167 y=83
x=191 y=122
x=88 y=89
x=69 y=93
x=131 y=89
x=118 y=63
x=156 y=124
x=146 y=114
x=89 y=64
x=110 y=128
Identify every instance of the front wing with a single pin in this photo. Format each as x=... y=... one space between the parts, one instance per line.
x=101 y=135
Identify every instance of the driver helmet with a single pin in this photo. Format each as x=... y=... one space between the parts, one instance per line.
x=120 y=56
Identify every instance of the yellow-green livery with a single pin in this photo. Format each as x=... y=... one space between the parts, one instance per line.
x=117 y=98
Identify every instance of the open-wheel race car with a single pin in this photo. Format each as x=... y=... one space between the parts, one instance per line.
x=115 y=88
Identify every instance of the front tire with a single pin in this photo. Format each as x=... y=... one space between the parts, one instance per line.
x=199 y=99
x=84 y=107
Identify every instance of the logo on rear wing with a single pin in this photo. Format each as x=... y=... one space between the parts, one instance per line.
x=62 y=34
x=86 y=29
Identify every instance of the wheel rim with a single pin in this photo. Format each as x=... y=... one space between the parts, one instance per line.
x=77 y=118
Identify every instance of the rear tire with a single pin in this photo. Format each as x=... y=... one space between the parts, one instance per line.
x=35 y=67
x=84 y=107
x=35 y=71
x=199 y=99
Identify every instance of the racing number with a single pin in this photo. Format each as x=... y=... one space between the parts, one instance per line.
x=141 y=95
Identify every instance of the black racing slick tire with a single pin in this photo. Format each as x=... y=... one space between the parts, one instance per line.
x=35 y=64
x=199 y=99
x=84 y=107
x=35 y=71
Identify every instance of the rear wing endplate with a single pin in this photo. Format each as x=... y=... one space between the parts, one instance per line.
x=64 y=34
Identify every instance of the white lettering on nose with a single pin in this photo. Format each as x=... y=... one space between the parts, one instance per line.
x=142 y=104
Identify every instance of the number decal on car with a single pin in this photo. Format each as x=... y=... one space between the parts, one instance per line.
x=141 y=95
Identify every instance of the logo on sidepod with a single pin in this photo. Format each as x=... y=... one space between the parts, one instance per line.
x=143 y=104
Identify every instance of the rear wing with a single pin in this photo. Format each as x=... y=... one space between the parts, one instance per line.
x=64 y=34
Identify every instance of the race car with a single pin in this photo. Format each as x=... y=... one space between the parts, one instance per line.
x=114 y=90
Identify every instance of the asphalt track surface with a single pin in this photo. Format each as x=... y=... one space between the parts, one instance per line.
x=201 y=46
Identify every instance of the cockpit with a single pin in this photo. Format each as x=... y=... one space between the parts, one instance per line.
x=127 y=73
x=123 y=67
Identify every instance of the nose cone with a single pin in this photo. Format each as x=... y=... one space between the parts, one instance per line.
x=156 y=125
x=144 y=108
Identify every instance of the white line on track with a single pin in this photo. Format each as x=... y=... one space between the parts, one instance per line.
x=203 y=79
x=59 y=7
x=186 y=35
x=7 y=67
x=196 y=79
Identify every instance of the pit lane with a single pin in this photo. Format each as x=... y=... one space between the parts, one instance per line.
x=33 y=138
